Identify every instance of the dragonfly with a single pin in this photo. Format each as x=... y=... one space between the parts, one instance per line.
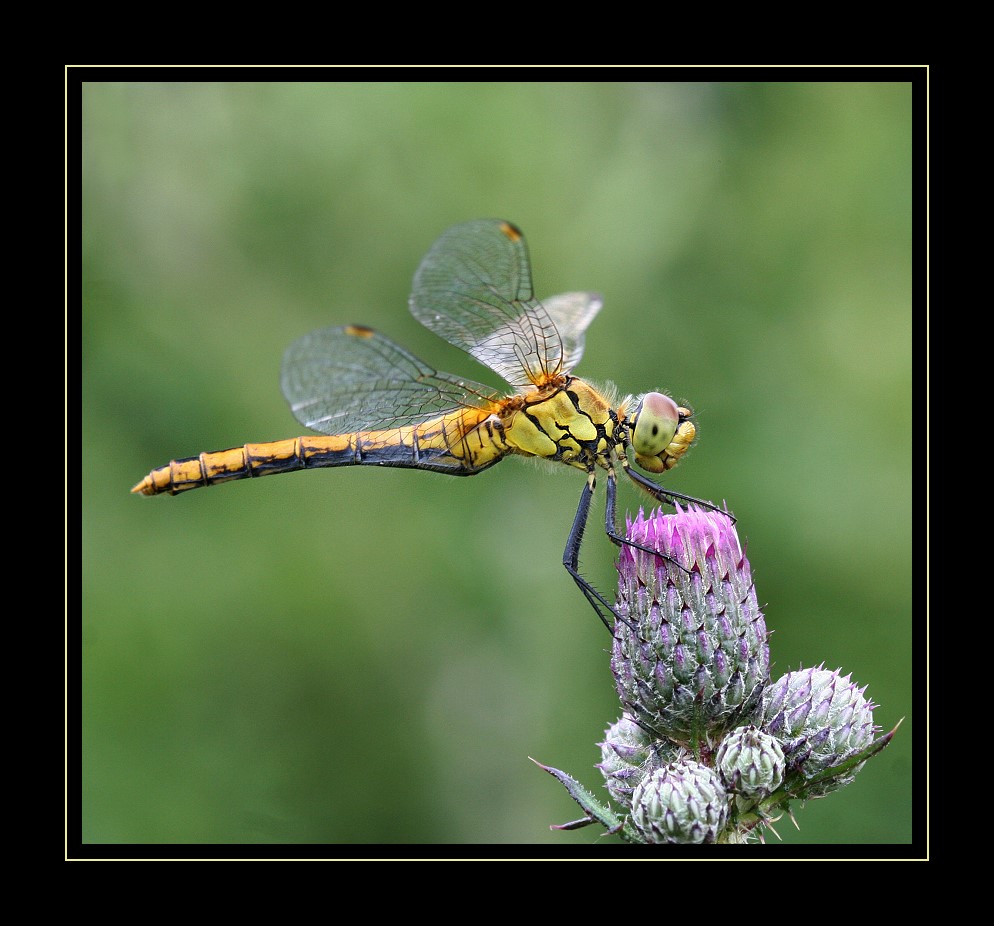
x=376 y=404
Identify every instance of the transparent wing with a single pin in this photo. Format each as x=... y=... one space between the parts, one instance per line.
x=342 y=380
x=571 y=313
x=474 y=288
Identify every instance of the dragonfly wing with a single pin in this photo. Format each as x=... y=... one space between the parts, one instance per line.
x=572 y=313
x=342 y=380
x=474 y=289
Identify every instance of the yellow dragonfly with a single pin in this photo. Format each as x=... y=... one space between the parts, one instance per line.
x=381 y=406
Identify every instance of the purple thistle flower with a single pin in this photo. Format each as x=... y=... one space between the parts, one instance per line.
x=690 y=656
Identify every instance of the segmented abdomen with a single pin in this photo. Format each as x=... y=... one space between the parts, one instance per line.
x=459 y=444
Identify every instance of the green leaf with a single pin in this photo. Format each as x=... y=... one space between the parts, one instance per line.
x=595 y=811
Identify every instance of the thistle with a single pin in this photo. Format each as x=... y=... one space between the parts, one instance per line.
x=690 y=656
x=751 y=764
x=822 y=720
x=708 y=749
x=629 y=754
x=684 y=802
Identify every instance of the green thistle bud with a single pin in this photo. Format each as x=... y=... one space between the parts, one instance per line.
x=821 y=718
x=628 y=754
x=751 y=762
x=683 y=802
x=690 y=658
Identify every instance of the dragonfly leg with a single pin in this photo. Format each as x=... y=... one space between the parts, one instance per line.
x=571 y=556
x=667 y=496
x=660 y=494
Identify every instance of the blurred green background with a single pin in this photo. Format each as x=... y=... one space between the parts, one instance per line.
x=371 y=656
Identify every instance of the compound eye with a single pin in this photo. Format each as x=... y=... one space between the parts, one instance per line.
x=655 y=422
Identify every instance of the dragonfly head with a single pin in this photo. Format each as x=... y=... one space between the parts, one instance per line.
x=661 y=431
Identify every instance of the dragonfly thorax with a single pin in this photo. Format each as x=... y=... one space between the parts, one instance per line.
x=571 y=423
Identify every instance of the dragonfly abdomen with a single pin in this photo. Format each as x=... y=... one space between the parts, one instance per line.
x=219 y=466
x=443 y=445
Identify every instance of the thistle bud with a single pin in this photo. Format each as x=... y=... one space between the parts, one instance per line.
x=750 y=762
x=683 y=802
x=821 y=718
x=690 y=655
x=628 y=755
